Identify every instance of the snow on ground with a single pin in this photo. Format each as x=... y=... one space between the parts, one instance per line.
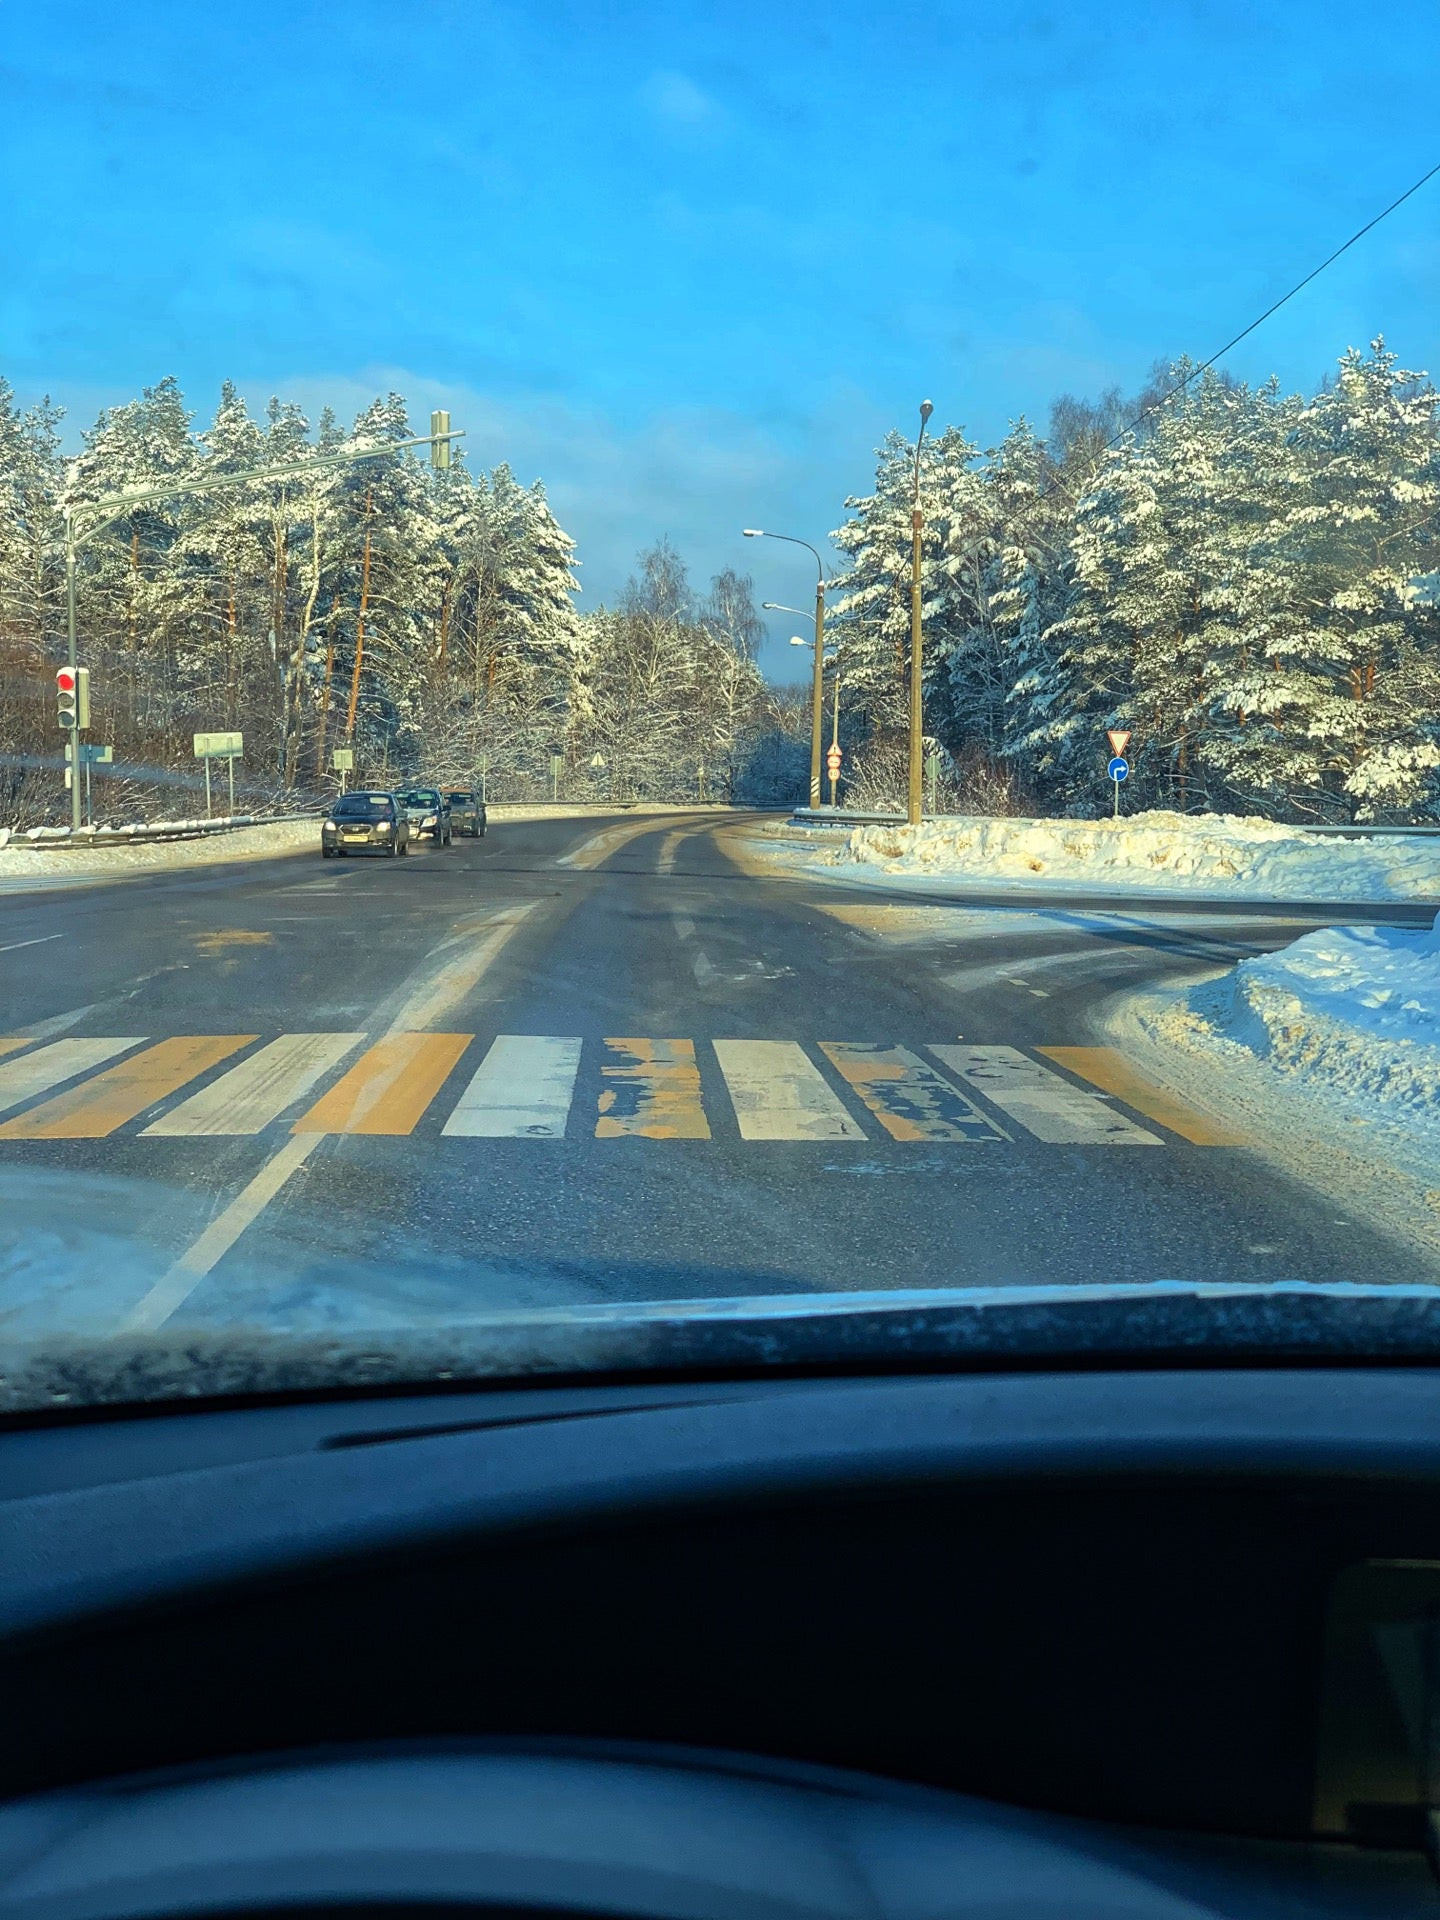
x=23 y=865
x=1215 y=854
x=1351 y=1013
x=1327 y=1054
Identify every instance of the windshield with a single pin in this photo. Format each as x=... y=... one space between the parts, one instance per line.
x=911 y=538
x=364 y=806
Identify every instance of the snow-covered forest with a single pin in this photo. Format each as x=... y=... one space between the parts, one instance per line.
x=425 y=618
x=1243 y=578
x=1245 y=581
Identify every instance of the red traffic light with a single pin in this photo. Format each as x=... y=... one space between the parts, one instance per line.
x=67 y=679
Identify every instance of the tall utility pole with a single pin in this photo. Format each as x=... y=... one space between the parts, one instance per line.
x=915 y=797
x=90 y=517
x=817 y=718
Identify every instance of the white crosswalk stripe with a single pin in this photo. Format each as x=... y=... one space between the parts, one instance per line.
x=1052 y=1109
x=522 y=1089
x=779 y=1095
x=247 y=1098
x=47 y=1067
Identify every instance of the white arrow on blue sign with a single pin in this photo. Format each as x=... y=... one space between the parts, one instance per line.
x=1119 y=769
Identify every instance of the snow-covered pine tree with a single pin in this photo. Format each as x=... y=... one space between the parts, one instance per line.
x=29 y=588
x=1360 y=656
x=869 y=608
x=124 y=605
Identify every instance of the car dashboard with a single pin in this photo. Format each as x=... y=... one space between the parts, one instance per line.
x=1053 y=1641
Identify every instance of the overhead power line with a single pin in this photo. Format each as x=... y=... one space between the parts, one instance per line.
x=1245 y=332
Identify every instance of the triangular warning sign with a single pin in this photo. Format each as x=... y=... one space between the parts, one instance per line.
x=1119 y=739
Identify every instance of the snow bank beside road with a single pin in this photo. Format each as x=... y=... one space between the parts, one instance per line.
x=22 y=862
x=1350 y=1013
x=1156 y=852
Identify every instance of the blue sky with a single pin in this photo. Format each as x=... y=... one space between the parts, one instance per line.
x=688 y=263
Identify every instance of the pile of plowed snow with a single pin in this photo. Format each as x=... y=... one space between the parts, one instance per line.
x=87 y=858
x=1353 y=1012
x=1154 y=852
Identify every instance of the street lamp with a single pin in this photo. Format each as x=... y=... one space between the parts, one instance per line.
x=917 y=717
x=817 y=726
x=91 y=517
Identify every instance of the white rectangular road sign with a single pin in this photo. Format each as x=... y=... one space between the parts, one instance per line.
x=219 y=746
x=1119 y=738
x=343 y=759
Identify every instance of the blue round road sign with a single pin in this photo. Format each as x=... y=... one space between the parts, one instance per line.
x=1119 y=769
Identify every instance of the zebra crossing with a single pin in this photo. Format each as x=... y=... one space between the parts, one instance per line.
x=535 y=1087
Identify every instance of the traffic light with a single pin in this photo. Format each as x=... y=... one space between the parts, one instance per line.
x=72 y=692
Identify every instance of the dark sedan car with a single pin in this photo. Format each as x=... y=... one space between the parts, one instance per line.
x=428 y=813
x=467 y=811
x=365 y=823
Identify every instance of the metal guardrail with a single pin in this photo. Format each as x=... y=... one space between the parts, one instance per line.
x=1363 y=832
x=143 y=832
x=843 y=817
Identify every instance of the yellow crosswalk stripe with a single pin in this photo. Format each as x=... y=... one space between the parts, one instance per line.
x=97 y=1107
x=1108 y=1069
x=652 y=1089
x=1043 y=1101
x=247 y=1098
x=51 y=1066
x=906 y=1095
x=389 y=1087
x=779 y=1095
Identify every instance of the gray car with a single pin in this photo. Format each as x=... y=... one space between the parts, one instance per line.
x=467 y=811
x=365 y=823
x=428 y=812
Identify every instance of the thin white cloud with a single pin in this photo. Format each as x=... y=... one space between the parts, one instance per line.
x=679 y=105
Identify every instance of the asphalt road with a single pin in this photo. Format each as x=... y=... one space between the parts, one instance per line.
x=590 y=1060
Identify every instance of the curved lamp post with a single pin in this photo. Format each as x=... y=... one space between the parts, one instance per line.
x=818 y=718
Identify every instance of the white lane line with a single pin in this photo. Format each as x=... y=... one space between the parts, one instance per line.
x=175 y=1287
x=702 y=969
x=1053 y=1109
x=432 y=995
x=39 y=941
x=46 y=1067
x=432 y=999
x=599 y=847
x=684 y=927
x=247 y=1098
x=522 y=1089
x=778 y=1094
